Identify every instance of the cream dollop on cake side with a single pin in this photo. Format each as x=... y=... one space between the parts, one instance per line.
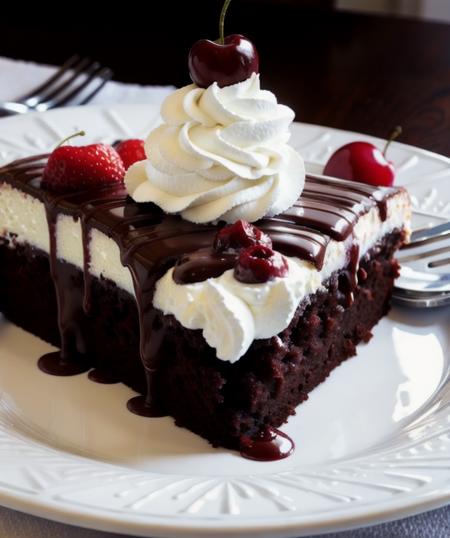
x=220 y=154
x=232 y=314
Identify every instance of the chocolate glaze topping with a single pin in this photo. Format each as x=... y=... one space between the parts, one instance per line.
x=151 y=242
x=202 y=264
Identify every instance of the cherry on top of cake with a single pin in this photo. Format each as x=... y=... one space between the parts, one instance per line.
x=229 y=60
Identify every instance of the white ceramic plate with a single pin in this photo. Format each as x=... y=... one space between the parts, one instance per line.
x=373 y=441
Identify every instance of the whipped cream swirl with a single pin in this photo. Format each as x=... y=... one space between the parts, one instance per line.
x=220 y=154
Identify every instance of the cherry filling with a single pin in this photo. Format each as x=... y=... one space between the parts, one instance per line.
x=241 y=246
x=240 y=235
x=258 y=264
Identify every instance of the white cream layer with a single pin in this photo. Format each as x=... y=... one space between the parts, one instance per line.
x=231 y=314
x=25 y=217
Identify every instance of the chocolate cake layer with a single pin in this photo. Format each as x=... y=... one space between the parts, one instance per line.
x=261 y=389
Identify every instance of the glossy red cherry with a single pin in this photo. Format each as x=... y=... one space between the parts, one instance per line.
x=364 y=162
x=240 y=235
x=259 y=263
x=227 y=61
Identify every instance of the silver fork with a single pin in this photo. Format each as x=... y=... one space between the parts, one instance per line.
x=425 y=274
x=77 y=80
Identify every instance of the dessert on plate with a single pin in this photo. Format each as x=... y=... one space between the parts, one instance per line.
x=212 y=276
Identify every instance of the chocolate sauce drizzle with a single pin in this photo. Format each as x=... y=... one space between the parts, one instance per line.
x=151 y=242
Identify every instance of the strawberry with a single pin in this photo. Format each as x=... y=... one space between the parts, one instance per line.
x=131 y=151
x=72 y=168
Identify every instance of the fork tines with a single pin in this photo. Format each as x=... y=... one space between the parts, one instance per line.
x=428 y=235
x=429 y=247
x=71 y=80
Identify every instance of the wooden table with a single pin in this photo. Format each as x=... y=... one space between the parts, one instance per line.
x=356 y=72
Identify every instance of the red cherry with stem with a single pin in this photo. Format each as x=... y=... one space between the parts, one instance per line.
x=363 y=162
x=230 y=60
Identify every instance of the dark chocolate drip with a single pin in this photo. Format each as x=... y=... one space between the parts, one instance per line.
x=73 y=296
x=337 y=223
x=87 y=303
x=144 y=407
x=89 y=211
x=105 y=377
x=23 y=167
x=71 y=321
x=381 y=198
x=364 y=195
x=269 y=445
x=53 y=364
x=152 y=335
x=150 y=242
x=348 y=280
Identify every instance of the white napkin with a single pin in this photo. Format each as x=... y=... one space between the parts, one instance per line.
x=19 y=77
x=16 y=78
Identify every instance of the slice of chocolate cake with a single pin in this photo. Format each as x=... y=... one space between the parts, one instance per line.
x=155 y=277
x=174 y=310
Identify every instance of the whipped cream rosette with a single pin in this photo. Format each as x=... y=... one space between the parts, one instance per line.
x=220 y=154
x=232 y=314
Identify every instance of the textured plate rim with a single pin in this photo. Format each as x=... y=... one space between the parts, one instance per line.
x=297 y=526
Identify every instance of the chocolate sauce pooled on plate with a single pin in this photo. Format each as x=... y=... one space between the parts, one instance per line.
x=102 y=376
x=150 y=242
x=140 y=406
x=53 y=364
x=269 y=445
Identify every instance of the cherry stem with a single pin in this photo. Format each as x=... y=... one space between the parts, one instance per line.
x=222 y=22
x=395 y=133
x=79 y=133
